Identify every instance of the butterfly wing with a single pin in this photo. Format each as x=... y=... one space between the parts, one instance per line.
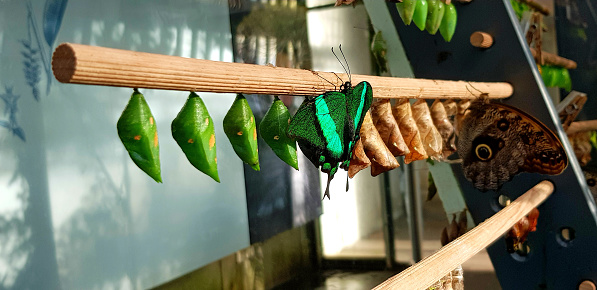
x=304 y=128
x=358 y=102
x=498 y=141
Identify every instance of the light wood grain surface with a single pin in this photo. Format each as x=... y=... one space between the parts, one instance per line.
x=92 y=65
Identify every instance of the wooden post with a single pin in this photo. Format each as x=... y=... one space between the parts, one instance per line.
x=423 y=274
x=91 y=65
x=550 y=58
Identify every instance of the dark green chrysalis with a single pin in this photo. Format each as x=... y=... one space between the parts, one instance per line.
x=193 y=130
x=273 y=130
x=435 y=13
x=239 y=126
x=448 y=25
x=379 y=48
x=138 y=132
x=327 y=127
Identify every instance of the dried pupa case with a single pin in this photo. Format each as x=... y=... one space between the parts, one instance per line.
x=239 y=126
x=408 y=128
x=193 y=130
x=386 y=125
x=431 y=138
x=273 y=128
x=381 y=158
x=138 y=132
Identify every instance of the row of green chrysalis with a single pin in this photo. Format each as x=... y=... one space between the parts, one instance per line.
x=193 y=130
x=430 y=15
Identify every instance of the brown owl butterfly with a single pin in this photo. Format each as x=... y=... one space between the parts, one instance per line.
x=497 y=141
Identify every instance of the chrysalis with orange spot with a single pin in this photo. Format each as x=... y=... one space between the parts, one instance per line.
x=193 y=130
x=240 y=128
x=138 y=132
x=273 y=128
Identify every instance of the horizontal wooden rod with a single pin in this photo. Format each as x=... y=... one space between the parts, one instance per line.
x=92 y=65
x=552 y=59
x=426 y=272
x=581 y=126
x=538 y=7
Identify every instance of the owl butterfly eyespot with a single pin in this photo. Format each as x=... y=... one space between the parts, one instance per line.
x=497 y=141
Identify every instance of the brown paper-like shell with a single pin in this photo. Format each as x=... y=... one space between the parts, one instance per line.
x=451 y=108
x=461 y=112
x=444 y=127
x=381 y=158
x=431 y=138
x=359 y=159
x=381 y=113
x=582 y=146
x=408 y=127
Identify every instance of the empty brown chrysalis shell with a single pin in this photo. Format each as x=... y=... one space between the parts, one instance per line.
x=451 y=108
x=444 y=127
x=408 y=127
x=498 y=141
x=430 y=137
x=460 y=112
x=582 y=146
x=381 y=158
x=359 y=159
x=381 y=113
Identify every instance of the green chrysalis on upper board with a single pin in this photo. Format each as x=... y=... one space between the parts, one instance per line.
x=273 y=130
x=379 y=48
x=327 y=127
x=448 y=25
x=138 y=132
x=239 y=126
x=435 y=14
x=193 y=130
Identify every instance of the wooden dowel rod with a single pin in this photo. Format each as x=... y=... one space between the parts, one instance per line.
x=581 y=126
x=550 y=58
x=424 y=273
x=538 y=7
x=92 y=65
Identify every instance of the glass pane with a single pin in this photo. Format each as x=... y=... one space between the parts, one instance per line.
x=74 y=210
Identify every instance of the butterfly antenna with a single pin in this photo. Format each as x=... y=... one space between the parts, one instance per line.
x=315 y=73
x=345 y=61
x=345 y=70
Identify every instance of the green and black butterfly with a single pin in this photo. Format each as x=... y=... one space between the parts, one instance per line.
x=327 y=126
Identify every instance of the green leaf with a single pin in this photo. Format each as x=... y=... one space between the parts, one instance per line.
x=273 y=128
x=193 y=129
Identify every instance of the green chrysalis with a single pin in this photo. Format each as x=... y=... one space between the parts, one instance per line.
x=448 y=25
x=138 y=132
x=379 y=48
x=435 y=14
x=420 y=16
x=239 y=126
x=193 y=130
x=273 y=129
x=406 y=9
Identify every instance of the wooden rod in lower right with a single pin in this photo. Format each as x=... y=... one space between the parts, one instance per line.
x=423 y=274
